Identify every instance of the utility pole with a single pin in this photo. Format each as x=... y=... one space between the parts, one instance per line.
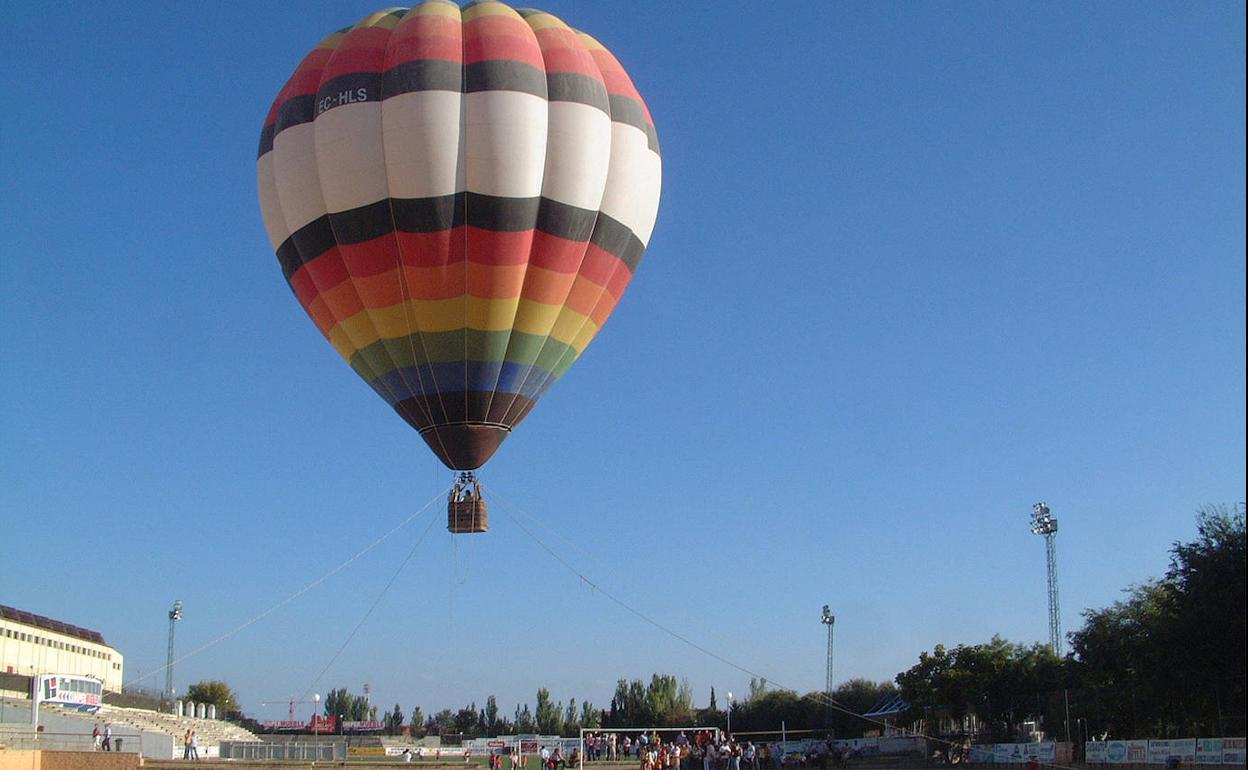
x=1043 y=523
x=175 y=615
x=828 y=620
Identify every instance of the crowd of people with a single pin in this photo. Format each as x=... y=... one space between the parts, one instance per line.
x=704 y=750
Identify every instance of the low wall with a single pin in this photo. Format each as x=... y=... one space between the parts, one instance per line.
x=67 y=760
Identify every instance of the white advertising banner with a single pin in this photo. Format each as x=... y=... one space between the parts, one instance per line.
x=981 y=754
x=1126 y=752
x=1014 y=753
x=1094 y=751
x=1233 y=751
x=1208 y=751
x=1160 y=751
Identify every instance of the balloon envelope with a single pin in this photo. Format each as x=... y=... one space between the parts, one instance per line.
x=458 y=198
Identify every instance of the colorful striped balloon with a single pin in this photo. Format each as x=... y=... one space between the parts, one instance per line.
x=458 y=199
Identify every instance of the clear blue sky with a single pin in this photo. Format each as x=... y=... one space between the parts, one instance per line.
x=917 y=266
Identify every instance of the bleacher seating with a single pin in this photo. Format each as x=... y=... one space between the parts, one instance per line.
x=210 y=732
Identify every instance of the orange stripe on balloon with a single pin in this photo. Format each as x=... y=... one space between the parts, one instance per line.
x=584 y=295
x=363 y=50
x=425 y=36
x=494 y=37
x=546 y=286
x=319 y=312
x=342 y=300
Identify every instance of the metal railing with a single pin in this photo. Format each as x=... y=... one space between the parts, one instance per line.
x=46 y=741
x=316 y=751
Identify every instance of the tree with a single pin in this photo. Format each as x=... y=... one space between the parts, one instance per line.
x=1124 y=655
x=590 y=717
x=466 y=720
x=342 y=704
x=524 y=720
x=757 y=687
x=853 y=698
x=998 y=682
x=418 y=723
x=444 y=721
x=549 y=716
x=217 y=693
x=393 y=721
x=491 y=716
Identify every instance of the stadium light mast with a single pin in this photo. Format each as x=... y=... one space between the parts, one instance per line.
x=828 y=620
x=175 y=615
x=1044 y=523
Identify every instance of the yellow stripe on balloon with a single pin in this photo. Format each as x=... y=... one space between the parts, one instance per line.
x=384 y=19
x=544 y=21
x=434 y=9
x=431 y=316
x=489 y=9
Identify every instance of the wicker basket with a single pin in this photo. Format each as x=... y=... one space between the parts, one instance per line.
x=466 y=512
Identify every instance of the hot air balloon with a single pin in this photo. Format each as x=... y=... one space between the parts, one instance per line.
x=458 y=199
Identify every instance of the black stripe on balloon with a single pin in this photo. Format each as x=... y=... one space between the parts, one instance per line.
x=266 y=139
x=294 y=111
x=422 y=75
x=439 y=75
x=561 y=220
x=305 y=244
x=625 y=109
x=362 y=224
x=615 y=238
x=500 y=75
x=445 y=212
x=449 y=407
x=351 y=88
x=575 y=87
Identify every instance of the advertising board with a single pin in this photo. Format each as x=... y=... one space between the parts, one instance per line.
x=1126 y=752
x=1233 y=751
x=1161 y=750
x=1094 y=752
x=1208 y=751
x=1014 y=753
x=70 y=690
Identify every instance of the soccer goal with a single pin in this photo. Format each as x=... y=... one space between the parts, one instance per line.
x=624 y=744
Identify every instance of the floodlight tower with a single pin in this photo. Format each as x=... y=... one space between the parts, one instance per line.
x=1043 y=523
x=828 y=620
x=175 y=615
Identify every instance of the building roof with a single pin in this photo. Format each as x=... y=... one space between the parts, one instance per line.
x=891 y=705
x=48 y=624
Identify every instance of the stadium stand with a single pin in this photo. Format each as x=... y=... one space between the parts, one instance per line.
x=210 y=732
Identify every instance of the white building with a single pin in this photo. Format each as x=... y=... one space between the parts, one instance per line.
x=32 y=644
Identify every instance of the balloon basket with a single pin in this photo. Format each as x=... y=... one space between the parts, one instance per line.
x=466 y=511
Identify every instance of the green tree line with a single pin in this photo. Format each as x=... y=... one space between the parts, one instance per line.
x=1168 y=660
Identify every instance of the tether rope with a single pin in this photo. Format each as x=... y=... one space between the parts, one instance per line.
x=824 y=699
x=371 y=607
x=296 y=594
